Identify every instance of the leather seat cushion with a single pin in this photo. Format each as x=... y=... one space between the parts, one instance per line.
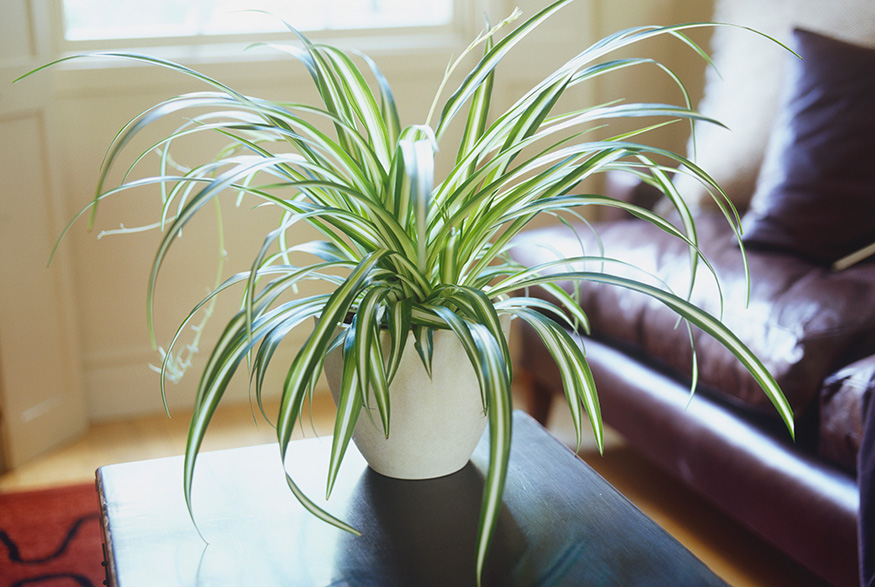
x=803 y=321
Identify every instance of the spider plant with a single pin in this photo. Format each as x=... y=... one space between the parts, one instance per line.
x=403 y=250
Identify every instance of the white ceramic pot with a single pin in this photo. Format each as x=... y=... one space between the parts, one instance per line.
x=435 y=424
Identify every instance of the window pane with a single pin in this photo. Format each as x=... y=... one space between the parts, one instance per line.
x=120 y=19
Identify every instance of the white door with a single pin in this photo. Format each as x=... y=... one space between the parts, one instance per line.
x=42 y=403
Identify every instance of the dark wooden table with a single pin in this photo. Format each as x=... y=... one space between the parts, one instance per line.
x=562 y=524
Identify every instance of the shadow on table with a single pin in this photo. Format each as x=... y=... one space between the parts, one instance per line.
x=424 y=533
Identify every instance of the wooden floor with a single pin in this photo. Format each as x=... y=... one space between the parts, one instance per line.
x=732 y=552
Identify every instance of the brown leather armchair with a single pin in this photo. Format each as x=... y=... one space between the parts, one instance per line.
x=814 y=329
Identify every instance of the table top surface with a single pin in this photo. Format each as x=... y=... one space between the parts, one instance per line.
x=561 y=523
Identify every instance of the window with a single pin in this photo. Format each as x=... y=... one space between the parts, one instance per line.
x=94 y=20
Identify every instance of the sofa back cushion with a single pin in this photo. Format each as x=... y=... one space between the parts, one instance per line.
x=743 y=89
x=816 y=192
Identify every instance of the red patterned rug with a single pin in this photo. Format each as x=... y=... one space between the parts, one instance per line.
x=51 y=538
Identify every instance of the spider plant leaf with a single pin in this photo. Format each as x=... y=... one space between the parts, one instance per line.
x=303 y=310
x=398 y=321
x=577 y=378
x=326 y=84
x=688 y=224
x=500 y=428
x=349 y=405
x=325 y=250
x=514 y=303
x=387 y=101
x=355 y=227
x=482 y=311
x=371 y=224
x=557 y=272
x=488 y=63
x=581 y=321
x=289 y=277
x=358 y=95
x=368 y=353
x=448 y=256
x=418 y=158
x=377 y=376
x=124 y=135
x=293 y=50
x=569 y=201
x=316 y=511
x=424 y=345
x=477 y=115
x=112 y=192
x=307 y=363
x=304 y=368
x=254 y=274
x=210 y=191
x=394 y=194
x=365 y=317
x=703 y=320
x=528 y=121
x=222 y=363
x=233 y=345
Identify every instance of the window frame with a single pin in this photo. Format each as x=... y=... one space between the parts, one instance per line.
x=466 y=21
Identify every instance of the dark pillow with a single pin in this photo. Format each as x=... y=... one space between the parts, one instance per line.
x=816 y=192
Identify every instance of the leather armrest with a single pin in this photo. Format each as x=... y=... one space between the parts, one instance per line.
x=843 y=402
x=866 y=480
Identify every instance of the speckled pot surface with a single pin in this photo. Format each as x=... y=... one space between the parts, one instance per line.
x=435 y=424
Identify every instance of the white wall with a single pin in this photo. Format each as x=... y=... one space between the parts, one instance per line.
x=110 y=274
x=42 y=402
